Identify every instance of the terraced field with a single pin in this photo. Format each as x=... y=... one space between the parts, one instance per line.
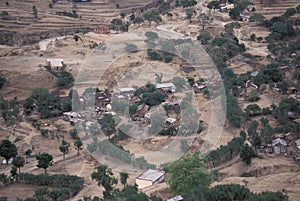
x=17 y=18
x=277 y=7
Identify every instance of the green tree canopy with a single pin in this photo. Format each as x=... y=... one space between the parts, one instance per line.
x=18 y=161
x=187 y=173
x=247 y=153
x=45 y=160
x=8 y=150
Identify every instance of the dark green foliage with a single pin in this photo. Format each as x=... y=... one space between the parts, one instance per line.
x=108 y=125
x=152 y=16
x=64 y=79
x=35 y=11
x=267 y=74
x=214 y=4
x=18 y=162
x=2 y=81
x=64 y=149
x=74 y=134
x=191 y=81
x=138 y=20
x=68 y=14
x=8 y=150
x=44 y=161
x=247 y=153
x=187 y=3
x=233 y=112
x=68 y=182
x=154 y=55
x=48 y=105
x=123 y=178
x=104 y=176
x=153 y=98
x=78 y=144
x=225 y=153
x=188 y=173
x=234 y=13
x=204 y=36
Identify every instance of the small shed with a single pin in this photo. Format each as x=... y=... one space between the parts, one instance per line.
x=149 y=178
x=279 y=145
x=176 y=198
x=166 y=87
x=244 y=18
x=55 y=64
x=170 y=121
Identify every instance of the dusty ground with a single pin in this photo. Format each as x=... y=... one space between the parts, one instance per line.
x=21 y=67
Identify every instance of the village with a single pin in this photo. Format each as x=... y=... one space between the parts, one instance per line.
x=99 y=98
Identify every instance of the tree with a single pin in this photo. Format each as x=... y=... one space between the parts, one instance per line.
x=8 y=150
x=64 y=149
x=18 y=162
x=116 y=24
x=187 y=3
x=123 y=178
x=234 y=13
x=2 y=81
x=257 y=18
x=204 y=36
x=105 y=178
x=252 y=37
x=138 y=20
x=78 y=145
x=214 y=5
x=108 y=125
x=152 y=16
x=243 y=5
x=64 y=79
x=247 y=153
x=188 y=173
x=189 y=14
x=45 y=160
x=35 y=11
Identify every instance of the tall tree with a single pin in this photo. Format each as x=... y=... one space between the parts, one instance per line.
x=8 y=150
x=64 y=149
x=105 y=178
x=247 y=153
x=45 y=160
x=18 y=161
x=187 y=173
x=78 y=145
x=124 y=177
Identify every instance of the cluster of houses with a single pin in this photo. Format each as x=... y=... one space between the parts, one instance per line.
x=287 y=144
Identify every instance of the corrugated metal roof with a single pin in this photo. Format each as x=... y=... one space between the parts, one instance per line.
x=56 y=62
x=177 y=198
x=165 y=85
x=279 y=141
x=151 y=175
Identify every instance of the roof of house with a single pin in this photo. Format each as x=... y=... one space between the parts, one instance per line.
x=177 y=198
x=56 y=62
x=279 y=141
x=170 y=120
x=125 y=90
x=244 y=16
x=151 y=175
x=165 y=85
